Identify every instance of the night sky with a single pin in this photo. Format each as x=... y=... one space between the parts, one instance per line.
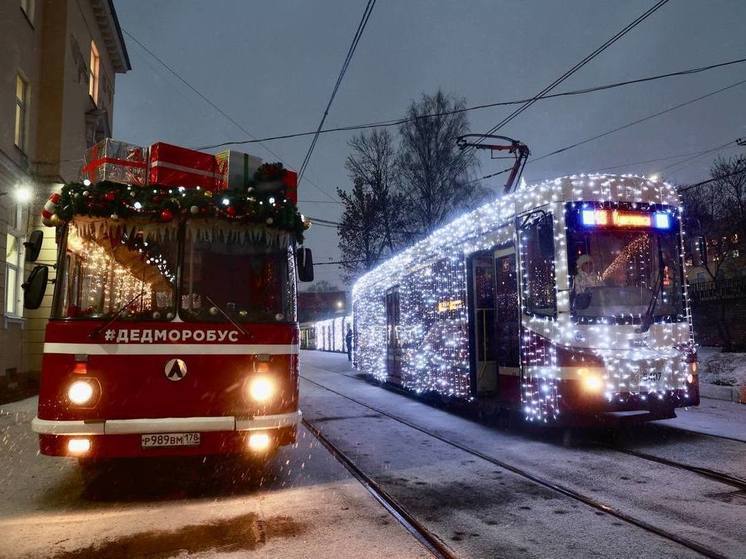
x=271 y=66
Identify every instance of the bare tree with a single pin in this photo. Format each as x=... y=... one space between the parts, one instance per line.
x=322 y=286
x=433 y=172
x=361 y=236
x=373 y=161
x=715 y=218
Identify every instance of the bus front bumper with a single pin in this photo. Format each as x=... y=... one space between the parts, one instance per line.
x=126 y=437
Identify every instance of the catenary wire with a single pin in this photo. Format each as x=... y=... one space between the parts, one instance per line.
x=400 y=121
x=350 y=53
x=207 y=100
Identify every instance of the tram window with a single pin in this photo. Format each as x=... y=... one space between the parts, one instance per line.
x=537 y=255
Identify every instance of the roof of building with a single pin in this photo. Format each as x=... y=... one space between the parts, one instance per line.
x=106 y=18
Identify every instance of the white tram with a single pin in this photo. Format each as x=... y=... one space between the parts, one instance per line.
x=566 y=300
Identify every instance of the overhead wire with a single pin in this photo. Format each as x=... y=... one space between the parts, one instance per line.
x=212 y=104
x=350 y=53
x=621 y=33
x=404 y=120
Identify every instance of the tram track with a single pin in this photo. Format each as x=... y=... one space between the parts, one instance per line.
x=713 y=475
x=429 y=540
x=566 y=491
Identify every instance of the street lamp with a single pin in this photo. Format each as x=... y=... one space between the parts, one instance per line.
x=22 y=194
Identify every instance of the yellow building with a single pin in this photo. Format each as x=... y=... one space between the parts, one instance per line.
x=57 y=73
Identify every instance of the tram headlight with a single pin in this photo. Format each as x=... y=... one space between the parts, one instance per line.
x=591 y=382
x=261 y=388
x=80 y=392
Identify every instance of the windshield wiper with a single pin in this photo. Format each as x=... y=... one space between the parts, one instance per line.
x=647 y=320
x=235 y=324
x=96 y=331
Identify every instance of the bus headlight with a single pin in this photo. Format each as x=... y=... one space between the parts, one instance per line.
x=261 y=388
x=80 y=392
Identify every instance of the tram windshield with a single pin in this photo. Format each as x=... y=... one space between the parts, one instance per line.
x=234 y=276
x=106 y=273
x=625 y=265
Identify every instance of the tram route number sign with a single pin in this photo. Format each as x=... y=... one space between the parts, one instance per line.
x=157 y=440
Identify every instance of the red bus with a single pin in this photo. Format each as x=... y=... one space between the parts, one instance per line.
x=173 y=331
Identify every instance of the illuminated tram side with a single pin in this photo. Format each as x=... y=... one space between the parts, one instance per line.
x=565 y=299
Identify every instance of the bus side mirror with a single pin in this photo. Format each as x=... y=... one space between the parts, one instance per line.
x=33 y=245
x=35 y=287
x=305 y=264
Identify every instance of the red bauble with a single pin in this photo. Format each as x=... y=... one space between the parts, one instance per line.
x=231 y=211
x=167 y=215
x=110 y=196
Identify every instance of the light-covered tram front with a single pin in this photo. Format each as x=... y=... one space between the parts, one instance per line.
x=565 y=300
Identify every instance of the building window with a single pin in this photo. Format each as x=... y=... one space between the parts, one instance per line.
x=13 y=275
x=94 y=75
x=21 y=111
x=28 y=9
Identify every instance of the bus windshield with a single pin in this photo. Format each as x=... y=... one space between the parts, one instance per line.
x=106 y=272
x=625 y=272
x=234 y=275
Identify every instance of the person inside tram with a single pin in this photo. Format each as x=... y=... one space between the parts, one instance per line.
x=586 y=276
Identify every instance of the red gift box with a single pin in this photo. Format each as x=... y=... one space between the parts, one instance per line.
x=177 y=166
x=111 y=160
x=290 y=180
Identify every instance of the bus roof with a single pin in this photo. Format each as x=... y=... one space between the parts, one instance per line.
x=478 y=228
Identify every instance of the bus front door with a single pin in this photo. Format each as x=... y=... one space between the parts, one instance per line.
x=483 y=321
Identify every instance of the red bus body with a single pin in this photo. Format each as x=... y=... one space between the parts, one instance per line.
x=135 y=397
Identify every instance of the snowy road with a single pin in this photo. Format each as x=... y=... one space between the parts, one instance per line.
x=482 y=510
x=307 y=505
x=546 y=500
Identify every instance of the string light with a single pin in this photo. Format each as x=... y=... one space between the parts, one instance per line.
x=411 y=311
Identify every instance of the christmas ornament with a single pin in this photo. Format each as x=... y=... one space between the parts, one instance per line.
x=110 y=196
x=194 y=210
x=213 y=311
x=167 y=215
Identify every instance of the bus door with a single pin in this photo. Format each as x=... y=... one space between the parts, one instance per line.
x=393 y=347
x=483 y=321
x=508 y=322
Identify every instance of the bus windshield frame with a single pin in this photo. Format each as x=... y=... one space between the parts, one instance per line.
x=87 y=294
x=625 y=262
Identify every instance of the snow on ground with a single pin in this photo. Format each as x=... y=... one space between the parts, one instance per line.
x=725 y=369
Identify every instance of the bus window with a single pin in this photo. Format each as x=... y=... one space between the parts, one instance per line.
x=537 y=258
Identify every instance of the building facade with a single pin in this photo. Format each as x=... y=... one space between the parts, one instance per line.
x=57 y=76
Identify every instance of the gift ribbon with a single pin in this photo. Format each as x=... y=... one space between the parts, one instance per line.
x=183 y=169
x=124 y=162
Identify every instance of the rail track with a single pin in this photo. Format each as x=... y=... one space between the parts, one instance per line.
x=568 y=492
x=429 y=540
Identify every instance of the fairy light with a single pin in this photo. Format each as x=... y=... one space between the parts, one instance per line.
x=427 y=283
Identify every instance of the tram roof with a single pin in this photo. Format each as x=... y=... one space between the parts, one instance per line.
x=482 y=222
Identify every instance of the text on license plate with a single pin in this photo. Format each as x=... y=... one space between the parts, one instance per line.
x=170 y=439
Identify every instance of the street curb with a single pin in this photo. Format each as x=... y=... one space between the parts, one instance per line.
x=727 y=393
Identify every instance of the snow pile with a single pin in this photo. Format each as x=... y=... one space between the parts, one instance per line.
x=727 y=369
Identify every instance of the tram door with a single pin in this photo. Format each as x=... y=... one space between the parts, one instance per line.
x=393 y=347
x=483 y=315
x=508 y=323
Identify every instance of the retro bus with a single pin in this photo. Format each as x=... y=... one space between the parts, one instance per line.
x=173 y=332
x=565 y=301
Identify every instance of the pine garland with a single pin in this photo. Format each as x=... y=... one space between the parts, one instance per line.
x=251 y=205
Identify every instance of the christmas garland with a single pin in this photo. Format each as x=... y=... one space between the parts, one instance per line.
x=257 y=204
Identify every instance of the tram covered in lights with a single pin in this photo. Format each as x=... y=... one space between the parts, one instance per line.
x=565 y=300
x=173 y=327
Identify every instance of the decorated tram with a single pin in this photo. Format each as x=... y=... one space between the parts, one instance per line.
x=173 y=327
x=565 y=301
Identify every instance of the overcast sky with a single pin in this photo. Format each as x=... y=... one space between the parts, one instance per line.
x=271 y=66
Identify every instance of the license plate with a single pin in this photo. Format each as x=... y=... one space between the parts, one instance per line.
x=170 y=439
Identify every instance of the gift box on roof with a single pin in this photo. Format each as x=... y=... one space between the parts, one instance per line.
x=115 y=161
x=236 y=169
x=177 y=166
